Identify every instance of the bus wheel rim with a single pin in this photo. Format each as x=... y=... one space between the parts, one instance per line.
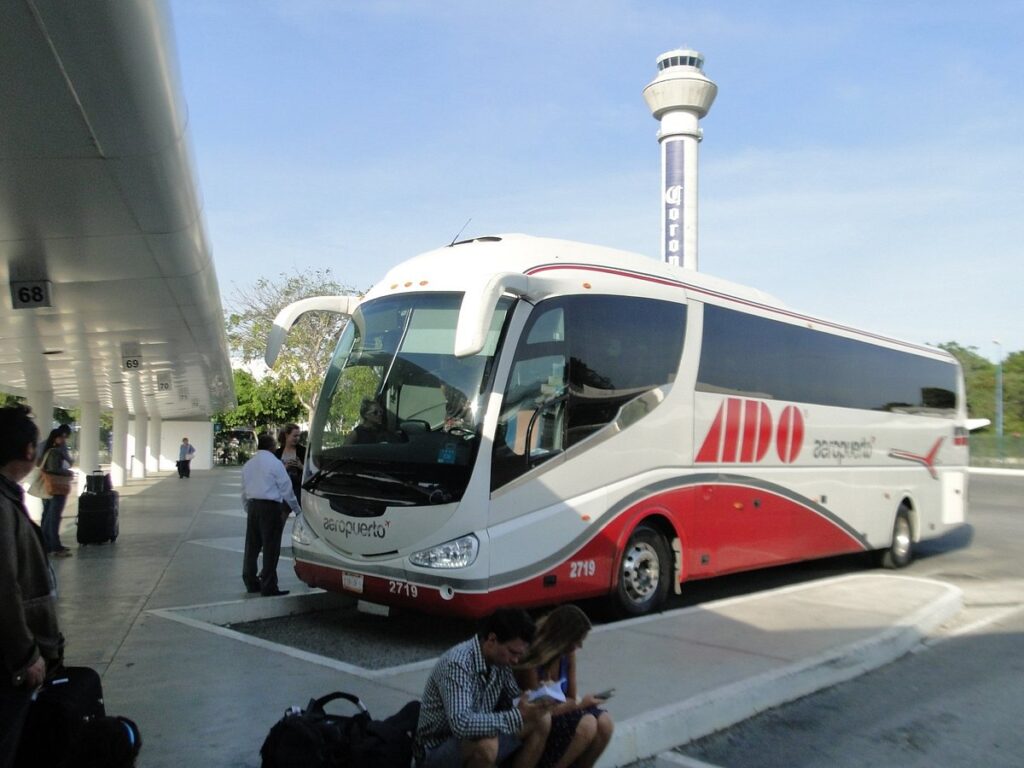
x=901 y=538
x=640 y=572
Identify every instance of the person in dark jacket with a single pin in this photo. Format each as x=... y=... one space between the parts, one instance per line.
x=31 y=645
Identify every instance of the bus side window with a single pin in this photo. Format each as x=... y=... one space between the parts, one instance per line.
x=620 y=347
x=581 y=359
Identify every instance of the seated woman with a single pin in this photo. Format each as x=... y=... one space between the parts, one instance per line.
x=580 y=729
x=370 y=428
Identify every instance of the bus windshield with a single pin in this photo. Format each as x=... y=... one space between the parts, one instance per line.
x=398 y=421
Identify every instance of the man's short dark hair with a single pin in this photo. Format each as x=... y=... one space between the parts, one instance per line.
x=507 y=624
x=17 y=430
x=265 y=442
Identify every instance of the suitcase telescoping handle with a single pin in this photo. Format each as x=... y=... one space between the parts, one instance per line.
x=319 y=704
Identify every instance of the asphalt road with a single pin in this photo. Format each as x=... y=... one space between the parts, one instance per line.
x=957 y=702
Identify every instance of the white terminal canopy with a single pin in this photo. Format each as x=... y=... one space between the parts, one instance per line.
x=110 y=296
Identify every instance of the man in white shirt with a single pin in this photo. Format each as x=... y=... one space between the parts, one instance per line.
x=266 y=495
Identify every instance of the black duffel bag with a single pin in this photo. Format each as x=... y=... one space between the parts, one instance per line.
x=315 y=738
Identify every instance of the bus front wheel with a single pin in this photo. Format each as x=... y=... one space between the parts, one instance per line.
x=901 y=551
x=644 y=573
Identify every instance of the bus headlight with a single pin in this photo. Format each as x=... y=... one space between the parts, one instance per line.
x=457 y=553
x=301 y=534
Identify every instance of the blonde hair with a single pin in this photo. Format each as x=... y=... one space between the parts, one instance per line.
x=557 y=634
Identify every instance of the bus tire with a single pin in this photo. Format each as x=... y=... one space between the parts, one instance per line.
x=901 y=550
x=644 y=573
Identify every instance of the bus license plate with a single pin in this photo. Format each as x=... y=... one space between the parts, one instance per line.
x=352 y=581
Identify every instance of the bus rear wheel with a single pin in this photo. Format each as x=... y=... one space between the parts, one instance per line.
x=901 y=551
x=644 y=573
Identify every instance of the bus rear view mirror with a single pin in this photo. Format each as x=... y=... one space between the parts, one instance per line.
x=479 y=302
x=286 y=318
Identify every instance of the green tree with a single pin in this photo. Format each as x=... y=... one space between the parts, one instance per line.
x=8 y=399
x=262 y=404
x=979 y=380
x=307 y=351
x=1013 y=393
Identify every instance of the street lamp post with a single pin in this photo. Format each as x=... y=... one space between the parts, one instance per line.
x=999 y=396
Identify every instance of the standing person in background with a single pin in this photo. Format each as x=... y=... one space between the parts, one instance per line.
x=56 y=462
x=185 y=455
x=266 y=495
x=30 y=643
x=292 y=455
x=580 y=729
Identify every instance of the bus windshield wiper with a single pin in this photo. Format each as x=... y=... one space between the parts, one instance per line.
x=330 y=468
x=433 y=494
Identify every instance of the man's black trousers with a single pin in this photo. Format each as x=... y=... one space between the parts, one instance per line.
x=263 y=530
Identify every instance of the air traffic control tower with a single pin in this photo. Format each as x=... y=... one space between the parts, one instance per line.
x=679 y=96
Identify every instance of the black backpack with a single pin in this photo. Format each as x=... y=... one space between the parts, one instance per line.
x=314 y=738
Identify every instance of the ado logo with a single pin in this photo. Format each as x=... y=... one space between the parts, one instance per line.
x=743 y=430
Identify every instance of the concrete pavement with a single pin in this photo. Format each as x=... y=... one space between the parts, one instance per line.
x=152 y=614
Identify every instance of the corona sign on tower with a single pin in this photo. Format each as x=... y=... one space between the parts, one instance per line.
x=679 y=96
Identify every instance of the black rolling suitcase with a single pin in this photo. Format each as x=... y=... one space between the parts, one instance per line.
x=56 y=716
x=97 y=511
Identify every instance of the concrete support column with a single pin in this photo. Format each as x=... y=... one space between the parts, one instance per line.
x=119 y=449
x=41 y=403
x=89 y=438
x=138 y=467
x=153 y=454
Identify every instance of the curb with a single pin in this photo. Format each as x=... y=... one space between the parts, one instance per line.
x=663 y=729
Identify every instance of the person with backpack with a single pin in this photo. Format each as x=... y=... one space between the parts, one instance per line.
x=473 y=713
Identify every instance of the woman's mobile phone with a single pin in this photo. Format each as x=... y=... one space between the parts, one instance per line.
x=605 y=694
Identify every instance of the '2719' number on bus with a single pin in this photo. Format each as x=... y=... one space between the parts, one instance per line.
x=580 y=568
x=403 y=588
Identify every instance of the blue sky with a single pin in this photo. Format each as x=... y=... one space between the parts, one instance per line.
x=863 y=160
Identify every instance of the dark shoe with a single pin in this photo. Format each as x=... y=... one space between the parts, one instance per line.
x=276 y=593
x=65 y=552
x=252 y=590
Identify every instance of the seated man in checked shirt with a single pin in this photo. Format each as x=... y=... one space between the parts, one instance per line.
x=473 y=714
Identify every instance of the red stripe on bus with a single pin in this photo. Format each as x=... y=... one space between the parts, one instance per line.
x=732 y=428
x=709 y=450
x=723 y=529
x=536 y=270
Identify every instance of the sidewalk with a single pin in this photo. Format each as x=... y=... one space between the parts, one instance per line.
x=148 y=612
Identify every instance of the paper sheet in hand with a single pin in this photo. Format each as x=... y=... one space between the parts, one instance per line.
x=547 y=693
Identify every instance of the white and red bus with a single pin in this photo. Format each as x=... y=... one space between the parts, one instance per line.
x=548 y=421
